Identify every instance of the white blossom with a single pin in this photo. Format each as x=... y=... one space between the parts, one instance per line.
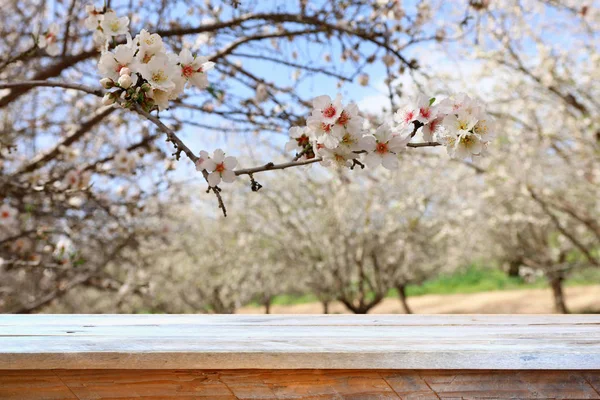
x=323 y=132
x=75 y=179
x=8 y=215
x=201 y=159
x=426 y=111
x=159 y=73
x=113 y=25
x=430 y=129
x=49 y=40
x=262 y=94
x=348 y=121
x=406 y=115
x=298 y=138
x=193 y=69
x=161 y=98
x=220 y=168
x=326 y=110
x=94 y=18
x=340 y=156
x=111 y=63
x=383 y=147
x=125 y=162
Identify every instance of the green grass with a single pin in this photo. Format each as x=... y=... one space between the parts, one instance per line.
x=470 y=279
x=289 y=299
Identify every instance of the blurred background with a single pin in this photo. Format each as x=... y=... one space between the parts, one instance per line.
x=515 y=231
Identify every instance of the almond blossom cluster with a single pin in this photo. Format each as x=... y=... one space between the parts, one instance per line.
x=335 y=131
x=142 y=70
x=460 y=123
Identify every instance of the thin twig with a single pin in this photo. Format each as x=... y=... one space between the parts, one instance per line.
x=40 y=83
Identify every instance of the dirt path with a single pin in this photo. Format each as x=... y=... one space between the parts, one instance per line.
x=530 y=301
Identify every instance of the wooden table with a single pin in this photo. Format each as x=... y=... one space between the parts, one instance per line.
x=292 y=357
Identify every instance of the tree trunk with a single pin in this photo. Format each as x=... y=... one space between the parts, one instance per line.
x=325 y=307
x=559 y=297
x=402 y=295
x=513 y=269
x=267 y=304
x=362 y=307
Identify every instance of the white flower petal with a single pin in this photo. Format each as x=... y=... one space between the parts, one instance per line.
x=372 y=160
x=218 y=156
x=230 y=162
x=228 y=176
x=390 y=161
x=209 y=165
x=214 y=178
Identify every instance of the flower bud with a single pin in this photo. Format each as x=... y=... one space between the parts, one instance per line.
x=363 y=80
x=107 y=83
x=125 y=81
x=108 y=99
x=146 y=87
x=125 y=71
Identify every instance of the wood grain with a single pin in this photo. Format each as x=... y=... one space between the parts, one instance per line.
x=296 y=384
x=448 y=342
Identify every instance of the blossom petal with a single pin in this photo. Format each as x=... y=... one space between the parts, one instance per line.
x=368 y=143
x=230 y=162
x=218 y=156
x=228 y=176
x=208 y=66
x=321 y=101
x=390 y=161
x=372 y=160
x=214 y=178
x=209 y=165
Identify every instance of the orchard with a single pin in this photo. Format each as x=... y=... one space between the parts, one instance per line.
x=199 y=156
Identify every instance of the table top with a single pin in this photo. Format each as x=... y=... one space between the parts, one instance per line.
x=440 y=342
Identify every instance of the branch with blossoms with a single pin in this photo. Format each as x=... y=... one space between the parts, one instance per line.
x=143 y=76
x=334 y=135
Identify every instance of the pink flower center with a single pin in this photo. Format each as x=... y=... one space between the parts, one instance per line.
x=381 y=148
x=425 y=112
x=187 y=71
x=325 y=127
x=51 y=37
x=409 y=116
x=5 y=214
x=302 y=140
x=119 y=68
x=329 y=111
x=220 y=168
x=343 y=119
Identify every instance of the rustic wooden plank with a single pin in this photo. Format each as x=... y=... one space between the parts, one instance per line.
x=305 y=342
x=78 y=320
x=296 y=384
x=33 y=385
